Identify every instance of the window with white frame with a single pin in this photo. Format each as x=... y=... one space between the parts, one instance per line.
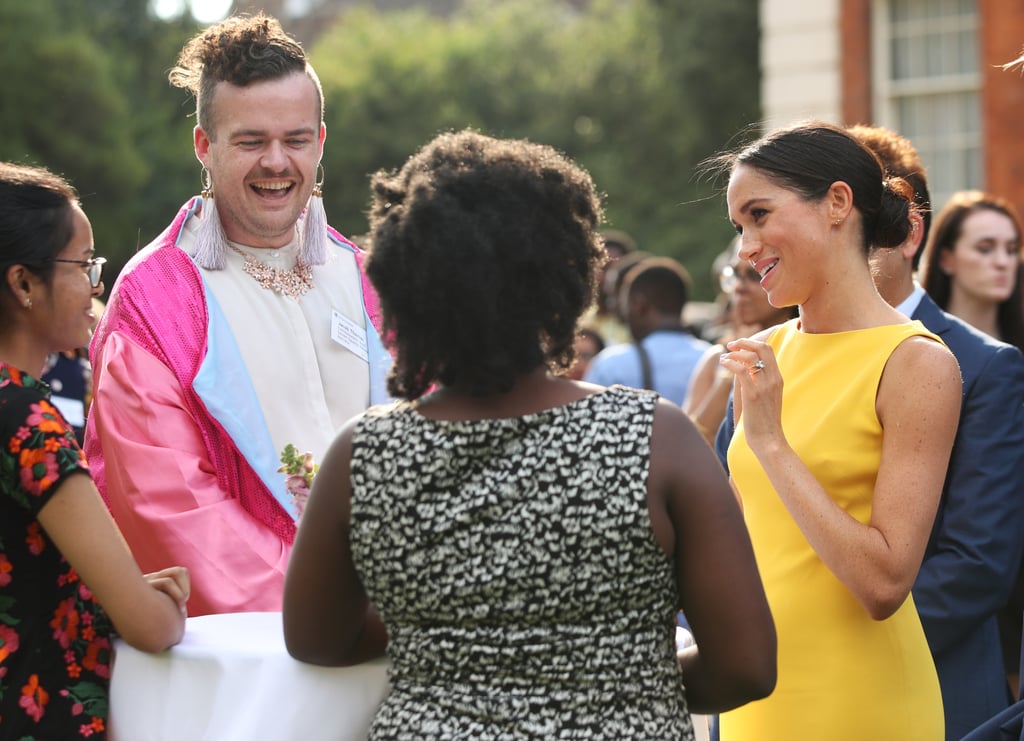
x=928 y=84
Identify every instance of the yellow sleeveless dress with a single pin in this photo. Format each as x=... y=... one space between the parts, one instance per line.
x=841 y=675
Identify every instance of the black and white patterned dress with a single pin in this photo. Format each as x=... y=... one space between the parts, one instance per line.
x=514 y=565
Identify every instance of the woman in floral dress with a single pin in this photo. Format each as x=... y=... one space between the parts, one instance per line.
x=61 y=556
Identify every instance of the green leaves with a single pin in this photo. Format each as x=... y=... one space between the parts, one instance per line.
x=638 y=92
x=609 y=85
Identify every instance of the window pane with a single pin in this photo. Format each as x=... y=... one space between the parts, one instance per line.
x=971 y=164
x=933 y=88
x=900 y=60
x=971 y=112
x=969 y=54
x=946 y=116
x=917 y=51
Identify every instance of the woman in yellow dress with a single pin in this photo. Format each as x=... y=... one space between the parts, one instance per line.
x=845 y=420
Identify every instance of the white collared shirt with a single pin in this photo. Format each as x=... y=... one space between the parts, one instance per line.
x=307 y=383
x=909 y=305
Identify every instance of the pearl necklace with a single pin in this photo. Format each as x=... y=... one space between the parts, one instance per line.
x=293 y=283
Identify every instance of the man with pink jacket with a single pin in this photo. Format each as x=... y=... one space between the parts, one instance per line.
x=246 y=326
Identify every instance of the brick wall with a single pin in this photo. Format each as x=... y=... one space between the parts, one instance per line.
x=855 y=67
x=1002 y=36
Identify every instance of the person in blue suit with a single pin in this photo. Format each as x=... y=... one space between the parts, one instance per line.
x=1010 y=723
x=972 y=558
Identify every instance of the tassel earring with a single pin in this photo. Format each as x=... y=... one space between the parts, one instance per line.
x=313 y=250
x=208 y=251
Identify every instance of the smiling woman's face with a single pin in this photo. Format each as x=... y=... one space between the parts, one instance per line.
x=64 y=321
x=781 y=234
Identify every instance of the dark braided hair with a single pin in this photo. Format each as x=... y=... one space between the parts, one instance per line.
x=484 y=253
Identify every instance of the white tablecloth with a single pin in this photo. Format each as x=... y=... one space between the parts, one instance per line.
x=231 y=679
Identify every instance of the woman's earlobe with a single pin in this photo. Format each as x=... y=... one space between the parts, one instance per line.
x=17 y=279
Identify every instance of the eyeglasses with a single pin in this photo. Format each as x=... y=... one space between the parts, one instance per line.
x=731 y=276
x=94 y=265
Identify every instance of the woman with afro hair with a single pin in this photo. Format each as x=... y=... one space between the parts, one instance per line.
x=519 y=541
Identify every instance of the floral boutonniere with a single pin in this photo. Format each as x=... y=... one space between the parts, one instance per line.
x=300 y=470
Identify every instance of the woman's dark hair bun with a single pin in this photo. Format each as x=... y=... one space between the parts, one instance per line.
x=892 y=223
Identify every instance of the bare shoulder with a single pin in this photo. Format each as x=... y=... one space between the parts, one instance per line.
x=341 y=446
x=921 y=369
x=673 y=435
x=670 y=423
x=329 y=497
x=679 y=453
x=926 y=360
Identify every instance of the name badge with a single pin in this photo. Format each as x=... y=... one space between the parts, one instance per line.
x=348 y=334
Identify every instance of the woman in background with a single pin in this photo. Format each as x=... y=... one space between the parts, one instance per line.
x=971 y=268
x=61 y=556
x=587 y=345
x=971 y=264
x=525 y=539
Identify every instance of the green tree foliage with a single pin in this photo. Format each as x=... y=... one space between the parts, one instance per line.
x=83 y=96
x=630 y=89
x=710 y=57
x=638 y=91
x=64 y=109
